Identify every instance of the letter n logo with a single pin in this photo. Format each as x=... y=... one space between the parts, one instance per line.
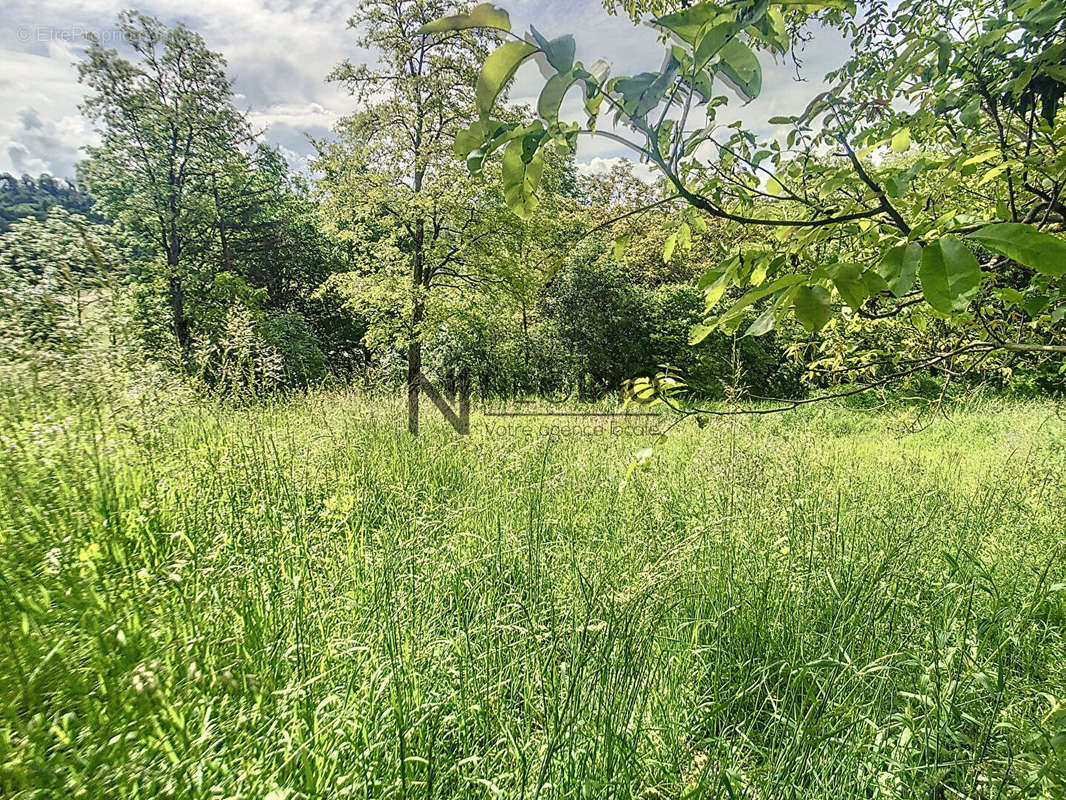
x=445 y=402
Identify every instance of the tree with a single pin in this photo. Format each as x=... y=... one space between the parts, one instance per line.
x=395 y=159
x=167 y=122
x=925 y=184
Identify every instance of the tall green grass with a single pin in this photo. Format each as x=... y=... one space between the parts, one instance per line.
x=297 y=600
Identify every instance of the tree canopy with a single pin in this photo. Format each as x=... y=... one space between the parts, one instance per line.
x=924 y=184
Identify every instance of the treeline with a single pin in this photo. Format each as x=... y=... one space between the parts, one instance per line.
x=188 y=238
x=190 y=242
x=35 y=197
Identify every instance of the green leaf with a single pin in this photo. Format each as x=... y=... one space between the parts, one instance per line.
x=1036 y=305
x=684 y=236
x=640 y=457
x=714 y=290
x=776 y=28
x=559 y=52
x=741 y=69
x=847 y=278
x=475 y=161
x=521 y=177
x=714 y=275
x=763 y=324
x=971 y=112
x=874 y=282
x=620 y=244
x=1025 y=244
x=730 y=320
x=489 y=136
x=899 y=267
x=1011 y=296
x=897 y=185
x=712 y=42
x=641 y=93
x=701 y=83
x=994 y=173
x=593 y=95
x=688 y=23
x=699 y=333
x=812 y=307
x=1043 y=17
x=950 y=275
x=485 y=15
x=498 y=69
x=980 y=158
x=469 y=139
x=901 y=142
x=668 y=248
x=775 y=187
x=551 y=96
x=943 y=56
x=810 y=6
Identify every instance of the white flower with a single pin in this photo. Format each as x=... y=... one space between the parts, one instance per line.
x=53 y=561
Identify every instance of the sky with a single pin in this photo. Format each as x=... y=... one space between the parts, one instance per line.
x=279 y=53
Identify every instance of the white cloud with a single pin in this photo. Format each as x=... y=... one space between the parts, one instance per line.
x=41 y=129
x=601 y=166
x=310 y=115
x=279 y=54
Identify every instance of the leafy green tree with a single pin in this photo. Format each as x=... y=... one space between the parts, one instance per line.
x=394 y=160
x=167 y=124
x=601 y=318
x=924 y=184
x=521 y=258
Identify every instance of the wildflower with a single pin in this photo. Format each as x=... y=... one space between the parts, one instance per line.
x=53 y=563
x=144 y=679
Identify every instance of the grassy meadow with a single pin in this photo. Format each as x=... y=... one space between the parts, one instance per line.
x=295 y=599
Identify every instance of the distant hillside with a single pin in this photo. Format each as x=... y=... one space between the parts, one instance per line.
x=28 y=196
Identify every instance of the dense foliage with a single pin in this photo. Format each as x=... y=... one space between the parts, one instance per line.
x=904 y=225
x=922 y=187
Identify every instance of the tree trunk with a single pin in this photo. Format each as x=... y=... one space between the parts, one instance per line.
x=414 y=368
x=419 y=286
x=222 y=238
x=172 y=243
x=414 y=345
x=177 y=311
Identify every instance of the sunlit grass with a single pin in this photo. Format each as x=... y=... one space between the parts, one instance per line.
x=297 y=598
